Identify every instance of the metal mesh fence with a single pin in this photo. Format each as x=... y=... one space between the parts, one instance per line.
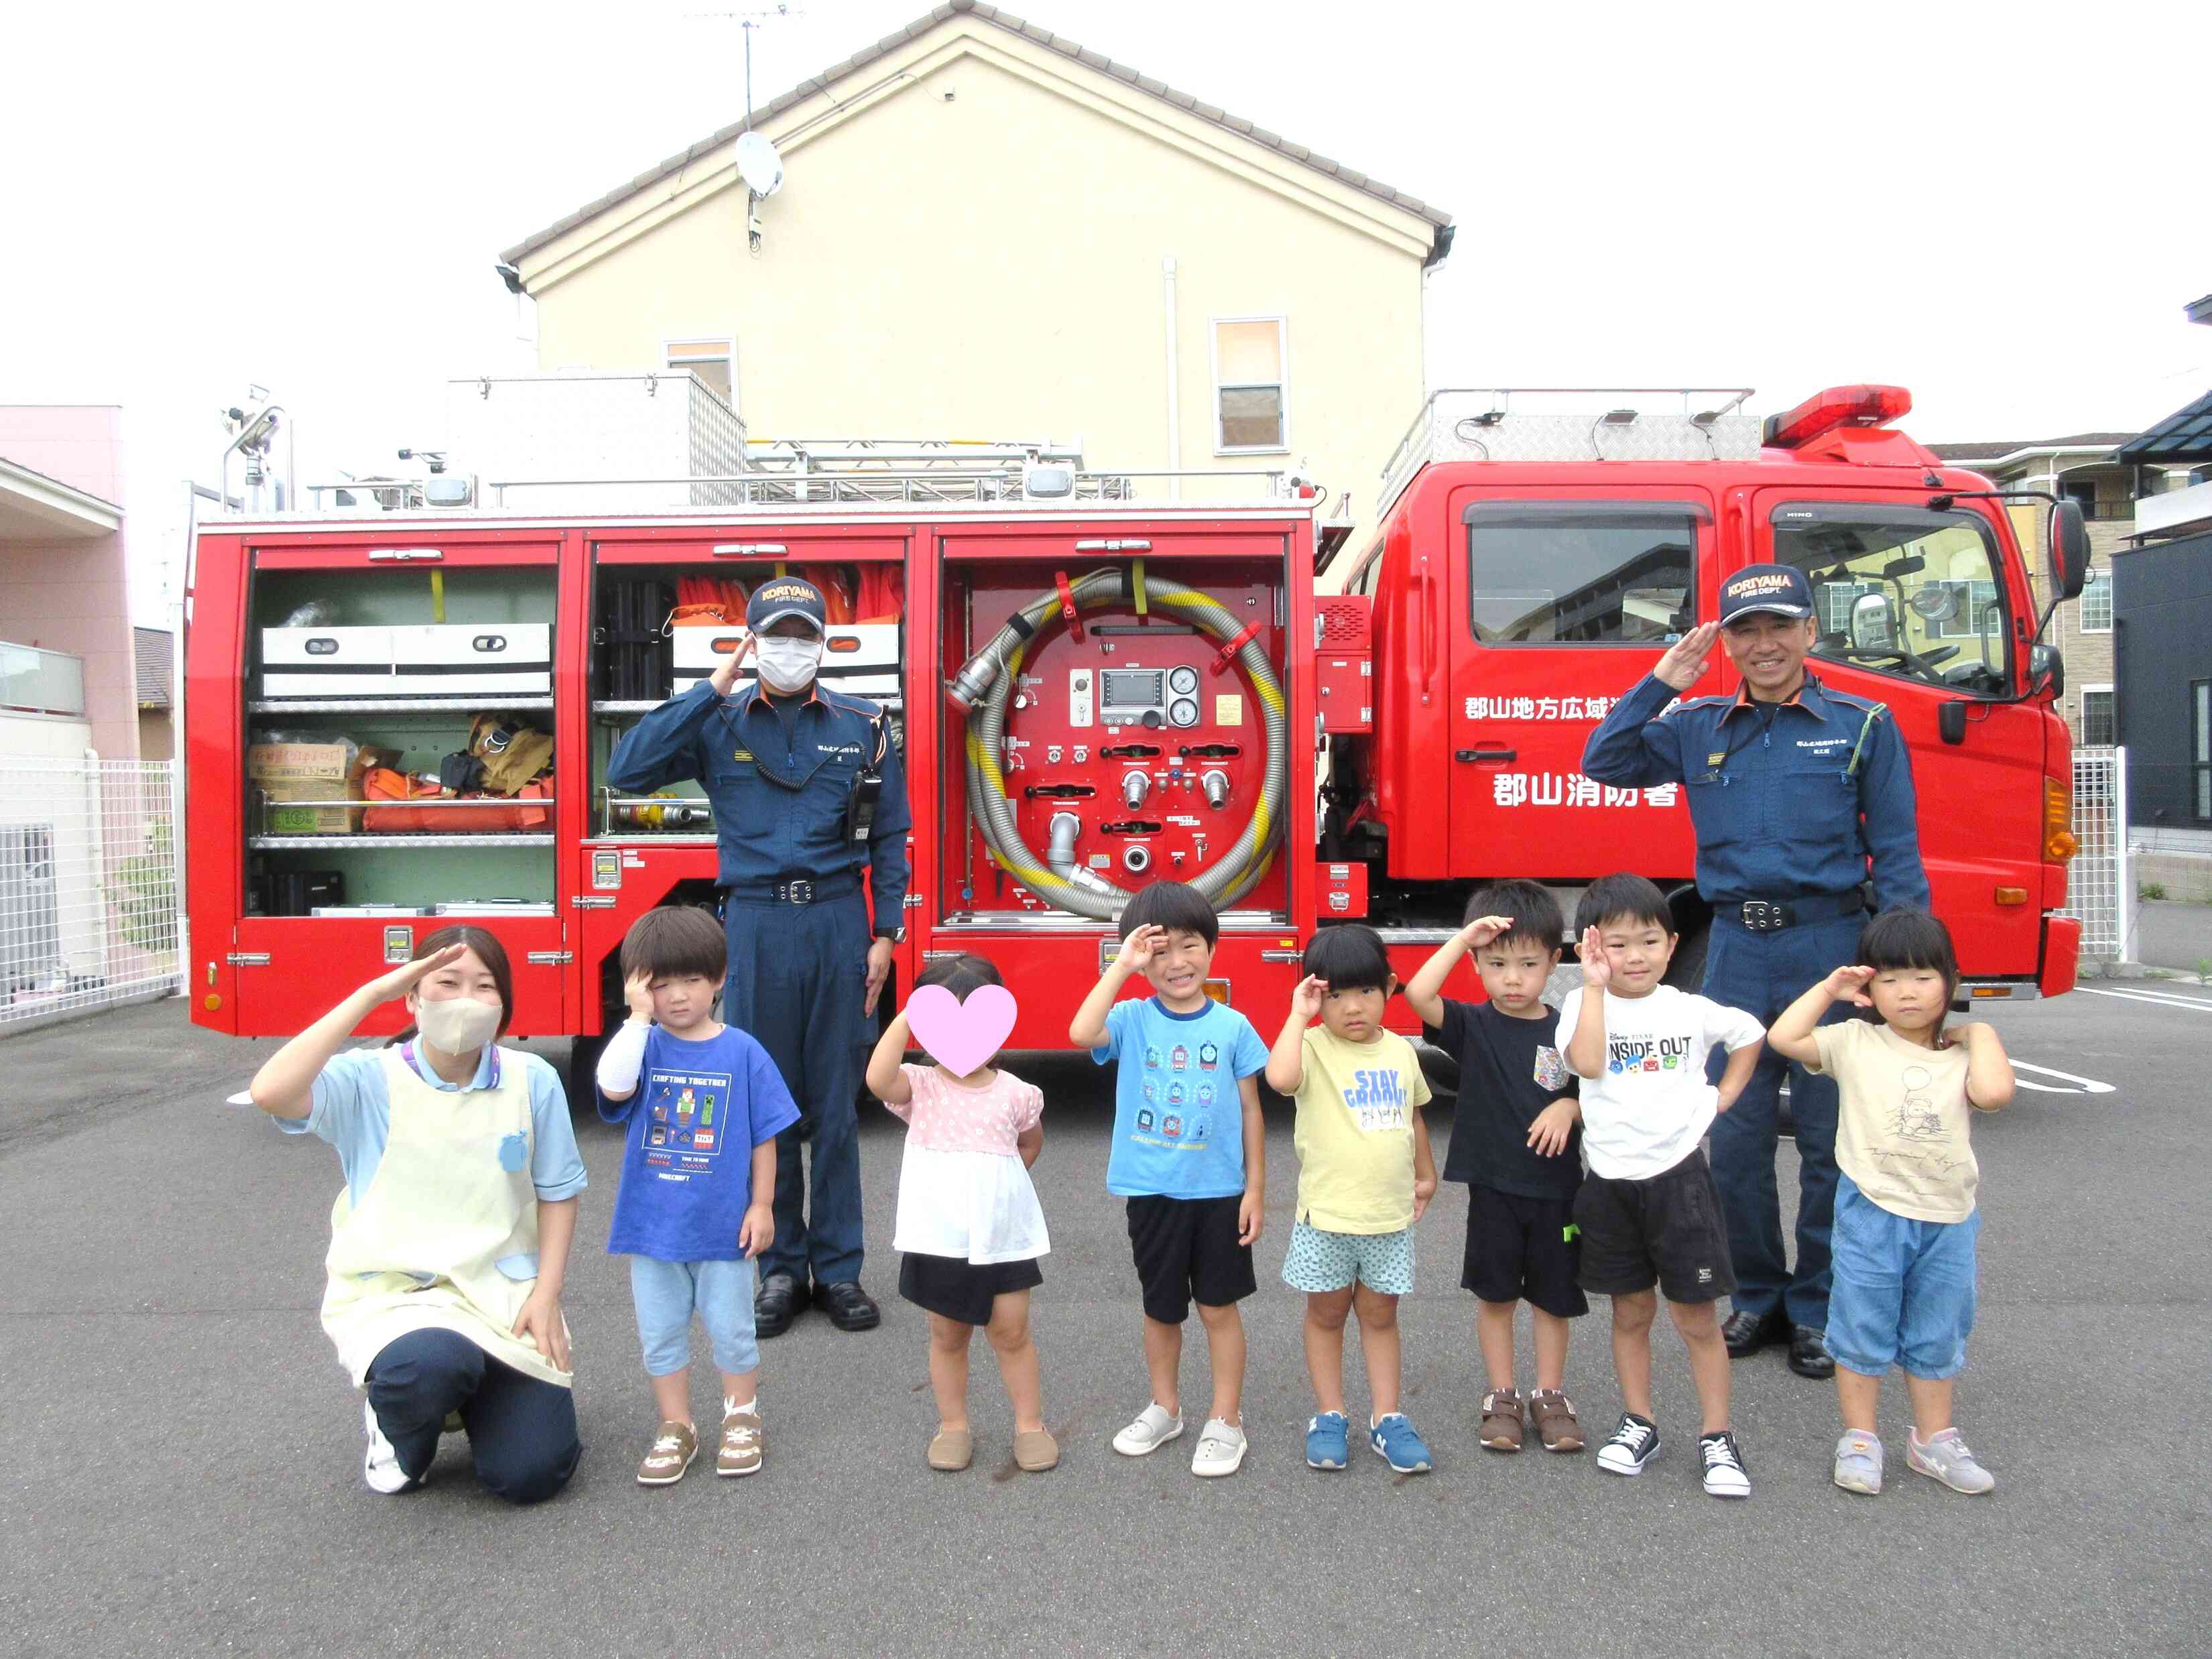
x=2099 y=890
x=87 y=886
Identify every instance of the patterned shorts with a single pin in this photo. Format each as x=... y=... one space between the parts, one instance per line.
x=1320 y=1261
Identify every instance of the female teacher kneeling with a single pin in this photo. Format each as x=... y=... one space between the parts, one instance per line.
x=450 y=1241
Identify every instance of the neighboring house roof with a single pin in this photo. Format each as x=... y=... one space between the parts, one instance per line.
x=1440 y=221
x=2200 y=311
x=1977 y=453
x=2184 y=436
x=154 y=650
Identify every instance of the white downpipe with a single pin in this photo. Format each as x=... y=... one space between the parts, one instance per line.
x=1174 y=383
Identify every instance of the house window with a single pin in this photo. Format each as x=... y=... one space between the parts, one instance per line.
x=2083 y=491
x=1251 y=385
x=2200 y=744
x=2096 y=616
x=2099 y=719
x=714 y=363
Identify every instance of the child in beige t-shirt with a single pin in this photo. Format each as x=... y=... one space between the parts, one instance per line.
x=1906 y=1222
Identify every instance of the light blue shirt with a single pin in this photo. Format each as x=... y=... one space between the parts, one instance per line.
x=352 y=1111
x=1178 y=1110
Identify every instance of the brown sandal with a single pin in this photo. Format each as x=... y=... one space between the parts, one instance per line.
x=1501 y=1421
x=1553 y=1414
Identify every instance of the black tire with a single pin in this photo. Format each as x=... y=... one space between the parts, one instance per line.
x=581 y=1077
x=1440 y=1069
x=1687 y=972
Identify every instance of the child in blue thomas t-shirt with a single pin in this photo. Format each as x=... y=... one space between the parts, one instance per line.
x=704 y=1103
x=1188 y=1156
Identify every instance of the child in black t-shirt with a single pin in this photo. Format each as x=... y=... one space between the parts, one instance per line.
x=1517 y=1143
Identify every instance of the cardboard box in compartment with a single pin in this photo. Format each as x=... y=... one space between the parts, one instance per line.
x=293 y=775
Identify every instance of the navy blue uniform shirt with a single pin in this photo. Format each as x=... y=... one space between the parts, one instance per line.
x=1782 y=809
x=779 y=778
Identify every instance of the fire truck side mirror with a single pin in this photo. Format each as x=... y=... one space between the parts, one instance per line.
x=1874 y=623
x=2046 y=669
x=2070 y=549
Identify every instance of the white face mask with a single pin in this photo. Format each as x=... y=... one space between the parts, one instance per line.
x=456 y=1025
x=786 y=665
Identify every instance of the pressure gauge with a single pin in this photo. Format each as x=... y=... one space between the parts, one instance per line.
x=1183 y=711
x=1184 y=682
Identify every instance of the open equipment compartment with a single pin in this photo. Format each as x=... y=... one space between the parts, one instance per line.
x=1138 y=745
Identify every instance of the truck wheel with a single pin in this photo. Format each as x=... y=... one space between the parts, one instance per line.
x=1687 y=972
x=581 y=1077
x=1440 y=1069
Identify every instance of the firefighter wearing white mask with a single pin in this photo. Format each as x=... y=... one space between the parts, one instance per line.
x=782 y=760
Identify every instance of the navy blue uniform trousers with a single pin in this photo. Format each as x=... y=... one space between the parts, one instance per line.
x=1763 y=974
x=798 y=977
x=522 y=1429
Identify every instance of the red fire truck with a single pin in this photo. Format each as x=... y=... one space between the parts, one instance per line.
x=1094 y=690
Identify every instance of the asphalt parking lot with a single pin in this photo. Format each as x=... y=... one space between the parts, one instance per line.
x=183 y=1456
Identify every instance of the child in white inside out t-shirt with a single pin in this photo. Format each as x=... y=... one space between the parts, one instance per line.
x=970 y=1227
x=1648 y=1214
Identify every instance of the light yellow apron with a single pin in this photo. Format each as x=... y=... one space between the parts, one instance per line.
x=451 y=1201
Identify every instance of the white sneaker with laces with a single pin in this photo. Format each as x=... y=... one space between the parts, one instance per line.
x=1220 y=1449
x=381 y=1468
x=1725 y=1471
x=1154 y=1427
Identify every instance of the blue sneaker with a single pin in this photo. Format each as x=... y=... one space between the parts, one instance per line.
x=1329 y=1441
x=1398 y=1444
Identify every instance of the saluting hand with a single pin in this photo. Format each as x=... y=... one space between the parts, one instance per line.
x=1306 y=1000
x=724 y=679
x=1685 y=660
x=1597 y=966
x=1483 y=929
x=405 y=978
x=1849 y=985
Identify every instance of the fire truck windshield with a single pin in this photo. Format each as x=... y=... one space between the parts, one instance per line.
x=1902 y=590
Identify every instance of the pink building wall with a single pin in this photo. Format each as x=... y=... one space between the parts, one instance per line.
x=75 y=595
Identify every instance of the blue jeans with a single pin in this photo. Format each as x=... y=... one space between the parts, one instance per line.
x=1905 y=1289
x=522 y=1429
x=1763 y=974
x=667 y=1294
x=798 y=976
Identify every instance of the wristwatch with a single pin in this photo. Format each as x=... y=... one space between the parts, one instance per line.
x=896 y=935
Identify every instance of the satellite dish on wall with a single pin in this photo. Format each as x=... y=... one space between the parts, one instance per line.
x=758 y=164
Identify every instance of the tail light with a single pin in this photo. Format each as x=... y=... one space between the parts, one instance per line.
x=1839 y=405
x=2058 y=841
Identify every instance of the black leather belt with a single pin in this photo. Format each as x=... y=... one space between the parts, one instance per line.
x=1773 y=915
x=795 y=889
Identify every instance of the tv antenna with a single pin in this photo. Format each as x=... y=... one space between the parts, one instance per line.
x=758 y=164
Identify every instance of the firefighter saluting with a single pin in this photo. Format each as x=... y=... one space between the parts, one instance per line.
x=807 y=788
x=1801 y=796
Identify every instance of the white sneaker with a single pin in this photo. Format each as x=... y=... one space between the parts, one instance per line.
x=1152 y=1430
x=1220 y=1449
x=380 y=1469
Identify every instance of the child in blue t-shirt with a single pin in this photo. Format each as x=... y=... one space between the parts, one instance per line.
x=1188 y=1155
x=694 y=1213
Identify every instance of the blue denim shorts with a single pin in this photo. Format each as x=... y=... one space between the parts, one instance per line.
x=1903 y=1293
x=1323 y=1261
x=667 y=1294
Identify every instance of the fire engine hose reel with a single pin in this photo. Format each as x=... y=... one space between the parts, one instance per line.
x=1058 y=878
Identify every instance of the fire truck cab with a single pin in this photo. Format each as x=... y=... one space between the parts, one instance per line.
x=1538 y=551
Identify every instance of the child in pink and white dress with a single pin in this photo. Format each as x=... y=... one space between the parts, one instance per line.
x=970 y=1227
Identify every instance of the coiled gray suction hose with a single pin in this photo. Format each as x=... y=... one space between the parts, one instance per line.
x=991 y=674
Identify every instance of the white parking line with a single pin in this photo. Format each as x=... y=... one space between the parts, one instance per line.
x=2159 y=999
x=2080 y=1085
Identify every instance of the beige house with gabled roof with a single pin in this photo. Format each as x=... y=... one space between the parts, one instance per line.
x=986 y=231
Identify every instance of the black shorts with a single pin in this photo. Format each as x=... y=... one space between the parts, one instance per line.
x=1519 y=1249
x=1665 y=1230
x=1186 y=1251
x=964 y=1291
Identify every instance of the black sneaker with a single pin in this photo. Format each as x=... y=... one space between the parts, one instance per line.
x=1634 y=1443
x=1725 y=1476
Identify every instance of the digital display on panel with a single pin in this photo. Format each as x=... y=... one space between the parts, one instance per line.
x=1132 y=688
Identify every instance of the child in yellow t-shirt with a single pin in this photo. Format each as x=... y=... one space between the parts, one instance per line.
x=1365 y=1174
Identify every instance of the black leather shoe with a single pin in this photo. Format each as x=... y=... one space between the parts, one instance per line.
x=1809 y=1355
x=780 y=1299
x=1747 y=1333
x=849 y=1307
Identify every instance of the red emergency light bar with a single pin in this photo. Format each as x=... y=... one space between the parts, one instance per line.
x=1839 y=405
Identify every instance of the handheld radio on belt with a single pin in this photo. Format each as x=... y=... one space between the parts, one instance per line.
x=867 y=787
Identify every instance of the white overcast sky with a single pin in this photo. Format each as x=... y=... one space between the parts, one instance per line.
x=2005 y=215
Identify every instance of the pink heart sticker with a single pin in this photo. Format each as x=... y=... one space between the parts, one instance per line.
x=960 y=1036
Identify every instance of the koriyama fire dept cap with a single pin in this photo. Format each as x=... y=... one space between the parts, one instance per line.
x=785 y=596
x=1781 y=590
